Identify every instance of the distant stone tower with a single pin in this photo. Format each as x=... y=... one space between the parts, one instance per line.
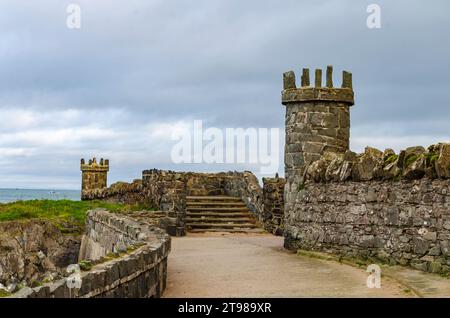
x=94 y=175
x=317 y=119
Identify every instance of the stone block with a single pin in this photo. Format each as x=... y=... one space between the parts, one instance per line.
x=289 y=80
x=420 y=246
x=442 y=164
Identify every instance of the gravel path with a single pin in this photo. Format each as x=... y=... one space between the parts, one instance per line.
x=256 y=265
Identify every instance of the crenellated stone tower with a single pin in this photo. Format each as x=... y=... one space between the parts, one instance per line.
x=94 y=175
x=317 y=119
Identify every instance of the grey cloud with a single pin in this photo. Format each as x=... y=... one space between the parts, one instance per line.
x=142 y=62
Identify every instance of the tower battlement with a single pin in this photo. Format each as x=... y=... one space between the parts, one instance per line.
x=307 y=93
x=92 y=165
x=94 y=174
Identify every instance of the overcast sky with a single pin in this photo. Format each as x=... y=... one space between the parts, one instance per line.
x=138 y=70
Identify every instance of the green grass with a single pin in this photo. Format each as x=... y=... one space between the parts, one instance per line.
x=68 y=216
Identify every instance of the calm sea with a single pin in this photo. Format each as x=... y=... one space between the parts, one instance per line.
x=10 y=195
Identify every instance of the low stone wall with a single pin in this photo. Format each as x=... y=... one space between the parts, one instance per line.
x=155 y=218
x=273 y=199
x=120 y=192
x=166 y=191
x=246 y=186
x=129 y=260
x=377 y=205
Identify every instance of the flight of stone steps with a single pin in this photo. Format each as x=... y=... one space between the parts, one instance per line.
x=219 y=214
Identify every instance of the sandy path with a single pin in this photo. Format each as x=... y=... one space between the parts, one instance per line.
x=255 y=265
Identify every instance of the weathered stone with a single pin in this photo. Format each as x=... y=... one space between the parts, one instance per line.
x=316 y=170
x=329 y=82
x=420 y=246
x=21 y=251
x=392 y=215
x=414 y=167
x=289 y=80
x=273 y=200
x=445 y=248
x=364 y=168
x=333 y=171
x=347 y=80
x=305 y=77
x=318 y=78
x=430 y=236
x=388 y=153
x=435 y=251
x=350 y=156
x=410 y=154
x=345 y=171
x=442 y=164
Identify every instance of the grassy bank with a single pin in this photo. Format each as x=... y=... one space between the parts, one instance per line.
x=67 y=215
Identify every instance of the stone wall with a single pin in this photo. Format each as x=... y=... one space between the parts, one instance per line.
x=245 y=185
x=378 y=205
x=167 y=190
x=403 y=222
x=119 y=192
x=267 y=203
x=273 y=200
x=128 y=257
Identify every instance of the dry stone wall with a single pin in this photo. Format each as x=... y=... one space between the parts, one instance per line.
x=166 y=191
x=245 y=185
x=403 y=222
x=119 y=192
x=273 y=199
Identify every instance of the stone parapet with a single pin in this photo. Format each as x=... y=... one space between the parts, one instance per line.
x=129 y=259
x=306 y=93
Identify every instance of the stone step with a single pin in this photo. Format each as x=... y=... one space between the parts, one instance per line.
x=219 y=214
x=224 y=220
x=255 y=230
x=213 y=198
x=219 y=209
x=215 y=203
x=221 y=225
